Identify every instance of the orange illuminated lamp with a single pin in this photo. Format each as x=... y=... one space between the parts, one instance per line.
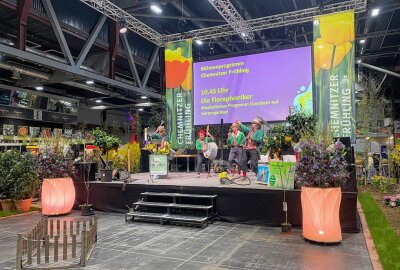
x=320 y=208
x=58 y=196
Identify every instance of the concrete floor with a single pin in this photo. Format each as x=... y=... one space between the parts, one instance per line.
x=135 y=245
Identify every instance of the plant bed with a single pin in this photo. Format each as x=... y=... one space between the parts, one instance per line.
x=387 y=241
x=391 y=213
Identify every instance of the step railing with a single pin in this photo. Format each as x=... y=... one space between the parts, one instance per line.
x=55 y=244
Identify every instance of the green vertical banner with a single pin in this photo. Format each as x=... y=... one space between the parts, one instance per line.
x=179 y=93
x=334 y=76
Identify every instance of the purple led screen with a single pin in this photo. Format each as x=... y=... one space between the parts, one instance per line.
x=243 y=87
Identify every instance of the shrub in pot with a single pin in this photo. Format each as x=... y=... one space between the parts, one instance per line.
x=320 y=173
x=55 y=167
x=26 y=183
x=6 y=184
x=105 y=142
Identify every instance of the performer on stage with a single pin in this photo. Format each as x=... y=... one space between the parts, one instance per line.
x=201 y=146
x=236 y=140
x=160 y=134
x=252 y=143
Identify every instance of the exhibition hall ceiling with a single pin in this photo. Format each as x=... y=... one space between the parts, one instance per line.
x=377 y=39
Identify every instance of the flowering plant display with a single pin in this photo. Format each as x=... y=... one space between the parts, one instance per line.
x=55 y=160
x=321 y=165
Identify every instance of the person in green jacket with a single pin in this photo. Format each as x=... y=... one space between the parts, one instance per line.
x=160 y=134
x=252 y=143
x=235 y=141
x=201 y=144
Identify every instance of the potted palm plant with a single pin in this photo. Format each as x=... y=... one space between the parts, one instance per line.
x=320 y=173
x=55 y=168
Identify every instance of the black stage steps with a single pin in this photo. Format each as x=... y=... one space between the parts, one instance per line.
x=178 y=208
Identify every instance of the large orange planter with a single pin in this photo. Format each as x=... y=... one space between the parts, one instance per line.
x=320 y=208
x=24 y=205
x=58 y=196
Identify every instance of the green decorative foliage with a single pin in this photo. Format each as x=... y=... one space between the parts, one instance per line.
x=105 y=141
x=18 y=175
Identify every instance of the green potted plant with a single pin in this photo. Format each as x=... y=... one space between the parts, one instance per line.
x=26 y=183
x=105 y=143
x=6 y=183
x=320 y=173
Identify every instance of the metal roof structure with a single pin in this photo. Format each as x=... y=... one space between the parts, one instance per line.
x=70 y=42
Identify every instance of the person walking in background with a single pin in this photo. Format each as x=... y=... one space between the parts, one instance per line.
x=201 y=146
x=370 y=168
x=235 y=141
x=252 y=143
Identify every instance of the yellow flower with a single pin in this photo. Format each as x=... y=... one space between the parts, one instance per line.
x=323 y=54
x=337 y=29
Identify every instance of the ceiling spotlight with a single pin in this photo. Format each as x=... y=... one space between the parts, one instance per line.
x=243 y=34
x=358 y=61
x=39 y=88
x=391 y=138
x=98 y=100
x=143 y=97
x=90 y=82
x=141 y=109
x=156 y=9
x=123 y=27
x=199 y=42
x=362 y=41
x=375 y=12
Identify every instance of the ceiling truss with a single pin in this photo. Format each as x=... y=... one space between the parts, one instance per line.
x=232 y=16
x=236 y=24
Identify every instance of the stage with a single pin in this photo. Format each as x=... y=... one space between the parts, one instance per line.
x=254 y=204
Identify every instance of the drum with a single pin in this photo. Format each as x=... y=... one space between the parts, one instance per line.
x=212 y=151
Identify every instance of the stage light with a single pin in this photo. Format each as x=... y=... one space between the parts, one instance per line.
x=39 y=88
x=362 y=41
x=199 y=42
x=156 y=9
x=143 y=97
x=141 y=110
x=123 y=28
x=89 y=82
x=98 y=100
x=375 y=12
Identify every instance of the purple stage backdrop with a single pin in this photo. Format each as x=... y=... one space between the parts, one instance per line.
x=265 y=84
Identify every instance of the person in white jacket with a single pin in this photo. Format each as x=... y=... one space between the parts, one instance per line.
x=370 y=168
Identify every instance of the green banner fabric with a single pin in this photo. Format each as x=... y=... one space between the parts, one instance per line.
x=179 y=94
x=334 y=76
x=281 y=174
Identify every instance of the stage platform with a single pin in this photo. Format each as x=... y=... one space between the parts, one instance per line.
x=254 y=204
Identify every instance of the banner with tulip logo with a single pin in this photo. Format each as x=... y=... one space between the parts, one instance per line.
x=179 y=93
x=334 y=72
